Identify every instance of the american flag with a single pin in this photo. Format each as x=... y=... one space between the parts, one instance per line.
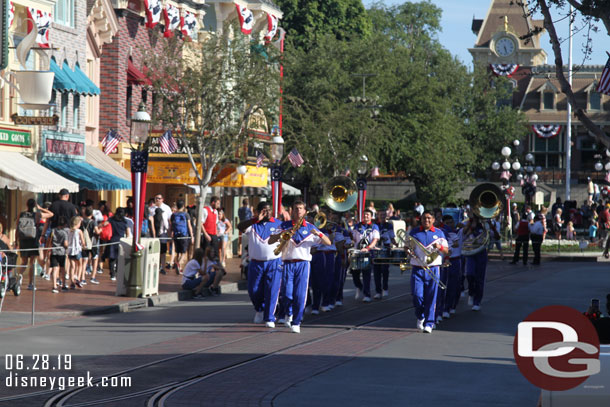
x=295 y=158
x=168 y=142
x=259 y=159
x=110 y=141
x=604 y=82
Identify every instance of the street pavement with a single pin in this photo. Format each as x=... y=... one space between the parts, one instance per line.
x=208 y=352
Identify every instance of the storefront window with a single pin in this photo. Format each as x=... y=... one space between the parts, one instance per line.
x=75 y=110
x=64 y=110
x=547 y=151
x=64 y=12
x=595 y=101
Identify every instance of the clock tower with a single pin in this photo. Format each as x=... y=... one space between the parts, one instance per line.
x=502 y=36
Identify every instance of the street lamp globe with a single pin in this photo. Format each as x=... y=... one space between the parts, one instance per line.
x=607 y=153
x=516 y=143
x=506 y=165
x=598 y=166
x=534 y=177
x=519 y=177
x=495 y=166
x=529 y=157
x=363 y=165
x=506 y=151
x=277 y=148
x=140 y=125
x=516 y=165
x=241 y=169
x=607 y=166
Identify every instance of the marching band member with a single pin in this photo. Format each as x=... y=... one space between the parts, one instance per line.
x=323 y=272
x=424 y=280
x=343 y=241
x=365 y=236
x=296 y=257
x=381 y=272
x=476 y=264
x=454 y=273
x=265 y=268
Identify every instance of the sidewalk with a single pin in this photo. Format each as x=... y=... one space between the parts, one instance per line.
x=101 y=298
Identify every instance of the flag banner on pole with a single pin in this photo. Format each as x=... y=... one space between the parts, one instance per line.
x=110 y=141
x=278 y=43
x=260 y=157
x=168 y=142
x=153 y=12
x=139 y=164
x=546 y=130
x=43 y=21
x=188 y=24
x=504 y=69
x=246 y=19
x=271 y=27
x=604 y=81
x=361 y=184
x=171 y=15
x=276 y=190
x=295 y=158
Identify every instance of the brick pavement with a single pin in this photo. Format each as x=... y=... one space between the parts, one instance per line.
x=92 y=296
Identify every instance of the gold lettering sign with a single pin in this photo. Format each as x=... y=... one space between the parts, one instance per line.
x=35 y=120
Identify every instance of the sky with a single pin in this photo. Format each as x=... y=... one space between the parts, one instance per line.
x=457 y=36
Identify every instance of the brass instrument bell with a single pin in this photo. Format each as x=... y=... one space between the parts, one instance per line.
x=340 y=193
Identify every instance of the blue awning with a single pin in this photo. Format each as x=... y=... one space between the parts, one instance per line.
x=88 y=87
x=86 y=175
x=62 y=81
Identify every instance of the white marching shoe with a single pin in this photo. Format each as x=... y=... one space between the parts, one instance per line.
x=446 y=315
x=358 y=294
x=270 y=324
x=476 y=307
x=315 y=312
x=470 y=300
x=325 y=308
x=377 y=296
x=386 y=293
x=420 y=324
x=296 y=329
x=428 y=329
x=258 y=318
x=439 y=319
x=366 y=299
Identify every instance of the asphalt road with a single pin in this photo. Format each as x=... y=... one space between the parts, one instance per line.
x=209 y=353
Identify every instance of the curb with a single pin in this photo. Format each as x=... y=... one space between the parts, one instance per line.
x=160 y=299
x=564 y=259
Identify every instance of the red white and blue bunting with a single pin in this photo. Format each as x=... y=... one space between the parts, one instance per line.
x=246 y=19
x=11 y=13
x=271 y=27
x=189 y=24
x=546 y=130
x=504 y=69
x=171 y=15
x=153 y=12
x=43 y=21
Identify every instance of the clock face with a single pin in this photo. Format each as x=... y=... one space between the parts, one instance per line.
x=505 y=47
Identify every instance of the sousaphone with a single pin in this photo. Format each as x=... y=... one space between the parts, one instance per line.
x=340 y=193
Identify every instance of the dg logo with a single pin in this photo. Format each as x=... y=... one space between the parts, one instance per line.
x=556 y=348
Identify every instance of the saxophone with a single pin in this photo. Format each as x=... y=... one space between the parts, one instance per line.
x=287 y=235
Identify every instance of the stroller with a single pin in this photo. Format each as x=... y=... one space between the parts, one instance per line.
x=9 y=278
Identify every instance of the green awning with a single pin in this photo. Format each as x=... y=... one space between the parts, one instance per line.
x=86 y=175
x=62 y=82
x=87 y=87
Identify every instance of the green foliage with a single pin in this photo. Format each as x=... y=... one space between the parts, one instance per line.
x=306 y=21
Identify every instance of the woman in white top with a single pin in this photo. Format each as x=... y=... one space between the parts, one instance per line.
x=224 y=231
x=76 y=242
x=201 y=271
x=557 y=224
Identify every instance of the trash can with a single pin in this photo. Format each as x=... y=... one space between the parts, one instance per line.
x=148 y=272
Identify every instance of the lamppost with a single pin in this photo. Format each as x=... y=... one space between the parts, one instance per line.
x=138 y=137
x=528 y=181
x=277 y=152
x=363 y=168
x=506 y=166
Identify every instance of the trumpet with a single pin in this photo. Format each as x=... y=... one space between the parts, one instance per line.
x=287 y=235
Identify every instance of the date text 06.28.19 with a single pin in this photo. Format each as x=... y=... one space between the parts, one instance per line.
x=37 y=362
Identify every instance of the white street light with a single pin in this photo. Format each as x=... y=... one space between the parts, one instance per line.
x=516 y=143
x=534 y=177
x=608 y=152
x=277 y=148
x=242 y=169
x=516 y=165
x=607 y=166
x=140 y=124
x=598 y=166
x=529 y=157
x=506 y=166
x=519 y=177
x=495 y=166
x=506 y=151
x=363 y=165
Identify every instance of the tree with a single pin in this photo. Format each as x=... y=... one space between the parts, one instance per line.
x=208 y=90
x=307 y=21
x=593 y=10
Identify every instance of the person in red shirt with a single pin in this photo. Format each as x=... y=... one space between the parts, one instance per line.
x=210 y=232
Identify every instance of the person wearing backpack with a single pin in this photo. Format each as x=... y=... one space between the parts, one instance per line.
x=182 y=234
x=28 y=236
x=91 y=238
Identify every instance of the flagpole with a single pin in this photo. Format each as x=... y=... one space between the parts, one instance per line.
x=569 y=118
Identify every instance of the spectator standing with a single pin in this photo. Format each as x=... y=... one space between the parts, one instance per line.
x=570 y=235
x=371 y=208
x=419 y=208
x=590 y=190
x=182 y=234
x=523 y=238
x=557 y=224
x=537 y=231
x=603 y=223
x=210 y=228
x=62 y=207
x=396 y=216
x=224 y=231
x=244 y=213
x=28 y=234
x=76 y=242
x=91 y=250
x=59 y=244
x=119 y=230
x=163 y=227
x=389 y=212
x=593 y=231
x=556 y=205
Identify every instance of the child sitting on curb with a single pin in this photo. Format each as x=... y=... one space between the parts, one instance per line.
x=202 y=271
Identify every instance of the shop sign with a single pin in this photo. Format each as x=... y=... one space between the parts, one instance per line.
x=254 y=177
x=169 y=172
x=16 y=138
x=63 y=145
x=35 y=120
x=154 y=149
